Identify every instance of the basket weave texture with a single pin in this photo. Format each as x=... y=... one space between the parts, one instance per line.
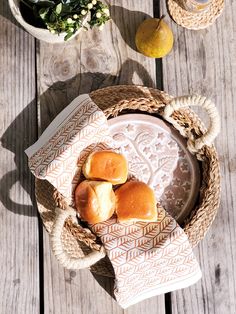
x=78 y=241
x=192 y=20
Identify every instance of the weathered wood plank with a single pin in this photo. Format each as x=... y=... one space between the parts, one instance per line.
x=204 y=62
x=73 y=291
x=19 y=276
x=96 y=60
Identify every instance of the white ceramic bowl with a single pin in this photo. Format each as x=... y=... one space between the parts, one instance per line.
x=39 y=33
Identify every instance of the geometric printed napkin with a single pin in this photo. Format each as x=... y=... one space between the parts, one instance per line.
x=61 y=150
x=148 y=258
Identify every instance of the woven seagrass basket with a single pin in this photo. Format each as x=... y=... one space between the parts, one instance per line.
x=73 y=243
x=192 y=20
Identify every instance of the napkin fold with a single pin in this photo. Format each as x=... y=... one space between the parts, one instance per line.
x=61 y=150
x=148 y=258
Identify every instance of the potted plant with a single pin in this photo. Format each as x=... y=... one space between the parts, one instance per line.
x=58 y=20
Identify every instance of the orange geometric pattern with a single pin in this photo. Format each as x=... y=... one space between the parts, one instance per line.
x=60 y=158
x=148 y=258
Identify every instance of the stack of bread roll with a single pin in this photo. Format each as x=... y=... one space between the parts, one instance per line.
x=106 y=191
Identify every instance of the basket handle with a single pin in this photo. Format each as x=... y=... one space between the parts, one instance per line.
x=63 y=258
x=194 y=145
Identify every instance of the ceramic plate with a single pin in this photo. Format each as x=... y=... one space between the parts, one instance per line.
x=158 y=155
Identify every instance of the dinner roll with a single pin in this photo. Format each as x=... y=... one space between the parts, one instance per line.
x=107 y=166
x=135 y=201
x=94 y=201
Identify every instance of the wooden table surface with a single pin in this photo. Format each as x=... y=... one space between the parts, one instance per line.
x=37 y=80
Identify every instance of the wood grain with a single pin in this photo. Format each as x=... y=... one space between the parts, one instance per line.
x=19 y=276
x=203 y=62
x=96 y=59
x=73 y=291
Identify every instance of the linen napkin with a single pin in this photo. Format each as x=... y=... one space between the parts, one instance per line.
x=61 y=150
x=148 y=258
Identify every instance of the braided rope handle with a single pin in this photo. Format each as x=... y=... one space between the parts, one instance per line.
x=194 y=145
x=63 y=258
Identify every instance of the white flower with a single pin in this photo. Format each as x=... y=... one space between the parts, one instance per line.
x=90 y=6
x=52 y=31
x=83 y=12
x=71 y=29
x=98 y=15
x=94 y=2
x=69 y=20
x=75 y=16
x=101 y=27
x=106 y=11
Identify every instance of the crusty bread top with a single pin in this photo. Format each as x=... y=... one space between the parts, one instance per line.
x=95 y=201
x=107 y=166
x=135 y=201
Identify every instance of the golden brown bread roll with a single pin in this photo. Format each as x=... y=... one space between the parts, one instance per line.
x=135 y=201
x=94 y=201
x=107 y=166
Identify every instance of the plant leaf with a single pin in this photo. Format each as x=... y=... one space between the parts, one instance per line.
x=68 y=36
x=52 y=18
x=43 y=3
x=43 y=12
x=59 y=8
x=33 y=1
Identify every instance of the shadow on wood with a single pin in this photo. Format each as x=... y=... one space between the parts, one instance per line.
x=120 y=16
x=61 y=93
x=18 y=133
x=17 y=136
x=107 y=283
x=6 y=13
x=16 y=139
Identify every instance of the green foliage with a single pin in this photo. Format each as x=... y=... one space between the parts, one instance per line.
x=67 y=16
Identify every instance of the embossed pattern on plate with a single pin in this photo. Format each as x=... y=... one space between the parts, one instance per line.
x=158 y=155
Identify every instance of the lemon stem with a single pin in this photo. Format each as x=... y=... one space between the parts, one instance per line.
x=159 y=22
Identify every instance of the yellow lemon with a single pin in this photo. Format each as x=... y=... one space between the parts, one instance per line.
x=154 y=38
